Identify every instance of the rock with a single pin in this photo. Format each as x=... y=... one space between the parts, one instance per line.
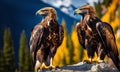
x=84 y=67
x=102 y=67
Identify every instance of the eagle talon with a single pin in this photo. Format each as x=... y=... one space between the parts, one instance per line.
x=87 y=61
x=100 y=61
x=57 y=67
x=51 y=64
x=50 y=68
x=43 y=66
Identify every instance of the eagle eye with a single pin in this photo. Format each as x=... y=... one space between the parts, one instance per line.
x=45 y=12
x=80 y=9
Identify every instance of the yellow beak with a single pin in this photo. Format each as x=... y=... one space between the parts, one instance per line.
x=77 y=11
x=39 y=12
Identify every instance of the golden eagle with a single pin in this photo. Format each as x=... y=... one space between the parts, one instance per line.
x=96 y=36
x=45 y=38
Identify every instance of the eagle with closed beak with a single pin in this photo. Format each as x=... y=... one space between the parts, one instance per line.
x=45 y=38
x=96 y=36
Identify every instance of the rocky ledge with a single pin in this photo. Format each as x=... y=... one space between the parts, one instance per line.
x=84 y=67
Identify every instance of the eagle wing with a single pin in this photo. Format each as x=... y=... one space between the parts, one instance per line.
x=61 y=35
x=35 y=40
x=81 y=35
x=106 y=34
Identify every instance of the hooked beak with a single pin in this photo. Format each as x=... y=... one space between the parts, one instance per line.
x=39 y=12
x=77 y=11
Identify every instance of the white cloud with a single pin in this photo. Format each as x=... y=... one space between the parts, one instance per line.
x=57 y=3
x=70 y=9
x=92 y=2
x=66 y=3
x=64 y=10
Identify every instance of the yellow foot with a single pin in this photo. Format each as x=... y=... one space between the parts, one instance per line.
x=43 y=66
x=99 y=60
x=88 y=61
x=52 y=67
x=51 y=64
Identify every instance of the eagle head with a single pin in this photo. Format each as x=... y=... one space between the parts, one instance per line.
x=47 y=11
x=85 y=10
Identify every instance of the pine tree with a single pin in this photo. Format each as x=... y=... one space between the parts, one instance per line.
x=107 y=2
x=64 y=60
x=98 y=9
x=66 y=57
x=77 y=50
x=101 y=7
x=71 y=48
x=81 y=52
x=8 y=51
x=24 y=56
x=1 y=61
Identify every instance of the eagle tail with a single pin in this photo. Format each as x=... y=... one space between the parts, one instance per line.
x=47 y=62
x=116 y=60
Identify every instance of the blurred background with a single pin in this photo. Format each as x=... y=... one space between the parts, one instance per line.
x=17 y=18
